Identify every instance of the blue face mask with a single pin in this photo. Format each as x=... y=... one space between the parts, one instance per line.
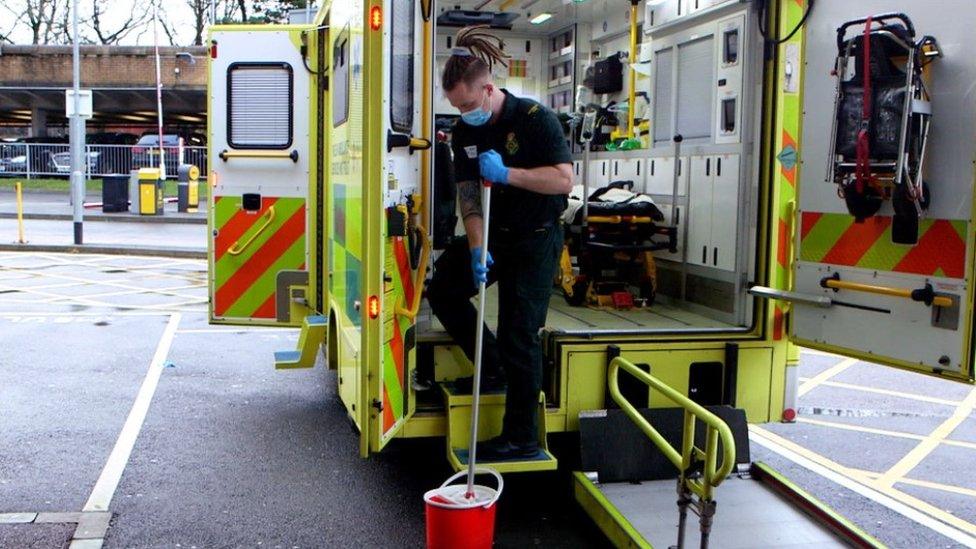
x=477 y=117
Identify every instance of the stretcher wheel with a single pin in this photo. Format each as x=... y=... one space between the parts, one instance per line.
x=577 y=297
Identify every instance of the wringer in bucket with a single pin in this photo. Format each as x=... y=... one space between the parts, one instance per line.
x=460 y=516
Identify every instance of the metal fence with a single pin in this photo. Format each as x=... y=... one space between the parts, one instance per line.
x=46 y=160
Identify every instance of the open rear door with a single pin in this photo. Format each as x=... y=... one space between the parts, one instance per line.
x=259 y=150
x=855 y=291
x=405 y=246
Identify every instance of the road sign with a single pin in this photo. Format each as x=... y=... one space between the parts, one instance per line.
x=85 y=103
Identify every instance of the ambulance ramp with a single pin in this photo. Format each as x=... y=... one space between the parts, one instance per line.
x=311 y=337
x=667 y=493
x=752 y=515
x=492 y=409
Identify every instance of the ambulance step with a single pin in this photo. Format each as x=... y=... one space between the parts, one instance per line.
x=313 y=334
x=458 y=409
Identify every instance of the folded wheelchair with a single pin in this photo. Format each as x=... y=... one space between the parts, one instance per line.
x=882 y=114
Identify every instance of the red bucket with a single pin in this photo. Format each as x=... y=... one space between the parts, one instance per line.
x=455 y=521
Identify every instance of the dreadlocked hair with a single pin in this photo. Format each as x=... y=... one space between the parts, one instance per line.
x=479 y=51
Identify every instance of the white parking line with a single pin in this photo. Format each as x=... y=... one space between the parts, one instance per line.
x=108 y=481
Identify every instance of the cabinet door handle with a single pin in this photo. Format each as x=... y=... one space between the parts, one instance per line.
x=718 y=166
x=704 y=255
x=708 y=166
x=715 y=257
x=616 y=168
x=652 y=167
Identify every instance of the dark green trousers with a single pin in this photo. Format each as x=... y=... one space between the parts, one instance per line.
x=524 y=269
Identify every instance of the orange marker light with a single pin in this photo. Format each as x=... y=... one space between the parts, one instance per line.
x=375 y=17
x=374 y=306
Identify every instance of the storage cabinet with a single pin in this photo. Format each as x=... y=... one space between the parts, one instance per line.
x=660 y=176
x=713 y=210
x=628 y=169
x=560 y=74
x=599 y=174
x=666 y=210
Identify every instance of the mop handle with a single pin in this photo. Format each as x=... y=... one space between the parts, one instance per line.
x=479 y=337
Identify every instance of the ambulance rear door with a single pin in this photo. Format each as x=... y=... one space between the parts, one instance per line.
x=405 y=246
x=856 y=292
x=259 y=157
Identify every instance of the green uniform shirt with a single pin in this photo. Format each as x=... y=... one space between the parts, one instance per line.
x=527 y=135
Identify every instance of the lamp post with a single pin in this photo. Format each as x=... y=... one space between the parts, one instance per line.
x=76 y=135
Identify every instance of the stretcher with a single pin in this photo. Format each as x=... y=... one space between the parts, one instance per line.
x=882 y=113
x=611 y=239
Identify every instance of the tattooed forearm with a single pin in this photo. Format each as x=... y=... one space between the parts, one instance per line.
x=469 y=198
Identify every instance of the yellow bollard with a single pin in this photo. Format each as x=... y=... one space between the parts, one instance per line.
x=20 y=213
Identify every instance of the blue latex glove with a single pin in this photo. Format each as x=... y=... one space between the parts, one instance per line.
x=492 y=167
x=480 y=273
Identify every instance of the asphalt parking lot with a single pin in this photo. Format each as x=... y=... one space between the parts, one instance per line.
x=127 y=421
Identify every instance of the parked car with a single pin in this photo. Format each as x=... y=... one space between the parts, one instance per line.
x=13 y=166
x=62 y=163
x=145 y=153
x=39 y=152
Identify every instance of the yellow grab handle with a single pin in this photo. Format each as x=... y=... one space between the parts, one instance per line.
x=924 y=295
x=226 y=155
x=418 y=282
x=237 y=248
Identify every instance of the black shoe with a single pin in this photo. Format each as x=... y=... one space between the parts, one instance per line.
x=501 y=449
x=489 y=384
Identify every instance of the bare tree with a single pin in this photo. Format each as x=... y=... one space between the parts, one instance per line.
x=201 y=17
x=39 y=16
x=138 y=16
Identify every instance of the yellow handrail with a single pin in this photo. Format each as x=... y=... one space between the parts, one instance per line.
x=836 y=284
x=236 y=248
x=225 y=155
x=418 y=283
x=616 y=219
x=716 y=430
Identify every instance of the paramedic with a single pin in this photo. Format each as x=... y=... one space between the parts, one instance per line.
x=519 y=147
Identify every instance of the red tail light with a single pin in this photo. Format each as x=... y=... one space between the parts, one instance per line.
x=213 y=49
x=138 y=150
x=374 y=306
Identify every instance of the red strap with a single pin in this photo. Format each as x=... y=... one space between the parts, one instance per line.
x=862 y=170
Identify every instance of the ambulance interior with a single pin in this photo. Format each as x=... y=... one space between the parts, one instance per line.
x=698 y=77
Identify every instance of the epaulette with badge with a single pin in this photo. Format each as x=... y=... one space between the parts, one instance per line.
x=529 y=108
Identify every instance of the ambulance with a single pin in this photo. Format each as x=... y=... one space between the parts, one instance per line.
x=811 y=164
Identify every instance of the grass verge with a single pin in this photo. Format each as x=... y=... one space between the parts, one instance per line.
x=91 y=186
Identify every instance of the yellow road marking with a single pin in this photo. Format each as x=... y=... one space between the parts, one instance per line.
x=866 y=480
x=963 y=491
x=888 y=392
x=885 y=432
x=825 y=375
x=929 y=443
x=939 y=486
